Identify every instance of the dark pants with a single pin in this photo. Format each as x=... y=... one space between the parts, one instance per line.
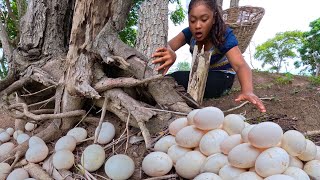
x=218 y=83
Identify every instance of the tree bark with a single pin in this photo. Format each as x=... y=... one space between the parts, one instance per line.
x=152 y=29
x=198 y=74
x=234 y=3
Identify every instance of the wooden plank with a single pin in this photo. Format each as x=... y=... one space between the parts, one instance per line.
x=198 y=74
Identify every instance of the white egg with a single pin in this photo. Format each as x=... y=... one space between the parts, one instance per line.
x=312 y=169
x=93 y=157
x=63 y=159
x=318 y=153
x=22 y=138
x=176 y=125
x=295 y=162
x=175 y=152
x=106 y=134
x=37 y=153
x=66 y=142
x=18 y=174
x=4 y=170
x=17 y=133
x=296 y=173
x=243 y=156
x=189 y=165
x=279 y=177
x=210 y=142
x=208 y=118
x=233 y=124
x=34 y=140
x=214 y=163
x=265 y=135
x=191 y=115
x=189 y=137
x=294 y=142
x=272 y=161
x=248 y=176
x=119 y=167
x=5 y=148
x=78 y=133
x=165 y=143
x=310 y=152
x=230 y=142
x=244 y=133
x=207 y=176
x=10 y=131
x=4 y=137
x=229 y=172
x=157 y=164
x=30 y=126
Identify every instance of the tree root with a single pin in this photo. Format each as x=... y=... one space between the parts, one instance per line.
x=34 y=117
x=244 y=103
x=37 y=172
x=110 y=83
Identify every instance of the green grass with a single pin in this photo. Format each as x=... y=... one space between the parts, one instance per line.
x=287 y=78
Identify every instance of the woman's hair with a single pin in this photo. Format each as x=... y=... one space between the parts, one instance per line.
x=219 y=28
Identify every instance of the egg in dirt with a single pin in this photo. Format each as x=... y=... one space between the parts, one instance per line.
x=280 y=177
x=295 y=162
x=119 y=167
x=165 y=143
x=79 y=133
x=189 y=165
x=106 y=134
x=4 y=170
x=296 y=173
x=265 y=135
x=230 y=142
x=157 y=164
x=208 y=118
x=233 y=124
x=207 y=176
x=210 y=142
x=175 y=152
x=176 y=125
x=93 y=157
x=243 y=156
x=272 y=161
x=309 y=153
x=214 y=163
x=66 y=142
x=229 y=172
x=191 y=115
x=248 y=176
x=294 y=142
x=312 y=169
x=189 y=137
x=63 y=159
x=6 y=148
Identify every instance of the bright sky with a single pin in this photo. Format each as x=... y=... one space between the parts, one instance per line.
x=280 y=16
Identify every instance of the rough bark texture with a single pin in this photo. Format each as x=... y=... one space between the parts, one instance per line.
x=198 y=74
x=234 y=3
x=152 y=28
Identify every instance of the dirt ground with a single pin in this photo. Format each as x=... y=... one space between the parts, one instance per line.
x=294 y=104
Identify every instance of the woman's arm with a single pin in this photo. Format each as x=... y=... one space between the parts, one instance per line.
x=245 y=78
x=167 y=55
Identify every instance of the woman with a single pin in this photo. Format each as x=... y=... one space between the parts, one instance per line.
x=207 y=28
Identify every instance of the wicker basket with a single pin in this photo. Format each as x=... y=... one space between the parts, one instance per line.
x=244 y=21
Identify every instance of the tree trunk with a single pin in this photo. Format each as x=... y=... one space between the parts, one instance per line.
x=234 y=3
x=71 y=47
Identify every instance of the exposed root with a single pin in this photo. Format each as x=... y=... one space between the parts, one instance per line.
x=161 y=110
x=103 y=114
x=110 y=83
x=35 y=93
x=28 y=114
x=163 y=177
x=37 y=172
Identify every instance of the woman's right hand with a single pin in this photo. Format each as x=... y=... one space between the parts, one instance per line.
x=166 y=56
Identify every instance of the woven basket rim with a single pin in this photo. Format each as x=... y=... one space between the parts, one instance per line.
x=260 y=11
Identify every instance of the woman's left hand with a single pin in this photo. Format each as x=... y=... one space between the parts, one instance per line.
x=251 y=97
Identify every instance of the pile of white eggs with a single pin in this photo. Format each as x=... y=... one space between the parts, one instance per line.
x=208 y=145
x=117 y=167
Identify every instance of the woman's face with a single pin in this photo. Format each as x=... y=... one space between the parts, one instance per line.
x=200 y=22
